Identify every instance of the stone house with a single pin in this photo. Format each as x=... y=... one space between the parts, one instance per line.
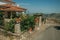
x=9 y=9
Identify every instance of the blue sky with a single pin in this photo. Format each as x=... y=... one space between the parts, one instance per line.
x=44 y=6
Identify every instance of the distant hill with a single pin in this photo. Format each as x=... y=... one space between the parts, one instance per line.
x=53 y=15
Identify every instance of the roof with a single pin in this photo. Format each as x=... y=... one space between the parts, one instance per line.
x=9 y=7
x=9 y=1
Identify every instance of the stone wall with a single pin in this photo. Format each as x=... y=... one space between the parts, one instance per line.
x=3 y=36
x=13 y=36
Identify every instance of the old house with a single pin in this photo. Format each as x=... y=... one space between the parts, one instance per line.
x=9 y=10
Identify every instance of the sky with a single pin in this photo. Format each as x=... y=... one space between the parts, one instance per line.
x=37 y=6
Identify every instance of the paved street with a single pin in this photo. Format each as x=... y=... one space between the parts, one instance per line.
x=50 y=34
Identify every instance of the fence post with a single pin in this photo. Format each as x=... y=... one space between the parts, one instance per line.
x=40 y=21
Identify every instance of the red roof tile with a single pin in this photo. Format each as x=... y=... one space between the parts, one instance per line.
x=10 y=7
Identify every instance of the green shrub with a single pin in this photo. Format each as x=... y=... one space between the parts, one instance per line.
x=1 y=22
x=1 y=18
x=9 y=26
x=27 y=23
